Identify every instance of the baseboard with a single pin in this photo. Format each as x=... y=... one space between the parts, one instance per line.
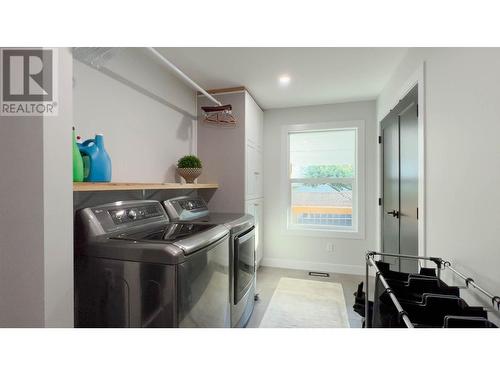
x=313 y=266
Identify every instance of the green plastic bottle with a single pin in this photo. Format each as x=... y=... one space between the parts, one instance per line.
x=77 y=161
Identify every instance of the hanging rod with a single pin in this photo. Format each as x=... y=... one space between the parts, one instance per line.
x=183 y=76
x=495 y=300
x=440 y=263
x=437 y=261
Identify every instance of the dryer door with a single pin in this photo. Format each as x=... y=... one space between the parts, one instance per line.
x=244 y=263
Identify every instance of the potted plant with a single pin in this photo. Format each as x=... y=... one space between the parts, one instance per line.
x=189 y=167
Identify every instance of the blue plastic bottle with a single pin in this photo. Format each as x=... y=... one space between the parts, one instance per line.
x=96 y=161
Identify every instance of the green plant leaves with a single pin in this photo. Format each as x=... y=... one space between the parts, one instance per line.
x=189 y=161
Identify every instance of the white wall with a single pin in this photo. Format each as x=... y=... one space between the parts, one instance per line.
x=147 y=115
x=462 y=141
x=282 y=249
x=36 y=217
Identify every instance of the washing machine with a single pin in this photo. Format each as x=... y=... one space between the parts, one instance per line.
x=136 y=268
x=242 y=270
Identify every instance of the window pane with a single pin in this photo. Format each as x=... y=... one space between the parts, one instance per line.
x=322 y=204
x=319 y=154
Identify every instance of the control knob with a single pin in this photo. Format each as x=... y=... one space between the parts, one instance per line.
x=132 y=214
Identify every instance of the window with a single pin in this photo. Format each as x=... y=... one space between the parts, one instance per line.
x=323 y=177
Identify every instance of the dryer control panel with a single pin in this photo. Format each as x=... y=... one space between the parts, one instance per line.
x=186 y=208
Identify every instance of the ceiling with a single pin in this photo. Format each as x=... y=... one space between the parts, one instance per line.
x=318 y=75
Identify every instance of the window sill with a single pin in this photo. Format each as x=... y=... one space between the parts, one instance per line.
x=322 y=233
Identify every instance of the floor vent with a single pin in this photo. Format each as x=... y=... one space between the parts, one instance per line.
x=319 y=274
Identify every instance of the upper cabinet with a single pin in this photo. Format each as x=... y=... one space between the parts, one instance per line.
x=254 y=123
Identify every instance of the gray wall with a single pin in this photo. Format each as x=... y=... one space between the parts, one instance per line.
x=21 y=222
x=147 y=115
x=36 y=252
x=293 y=251
x=222 y=151
x=462 y=141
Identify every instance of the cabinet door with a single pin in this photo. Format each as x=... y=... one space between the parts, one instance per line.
x=258 y=173
x=260 y=138
x=254 y=180
x=249 y=173
x=259 y=230
x=255 y=207
x=254 y=122
x=250 y=120
x=250 y=208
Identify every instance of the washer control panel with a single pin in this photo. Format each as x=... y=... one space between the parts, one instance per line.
x=117 y=216
x=127 y=215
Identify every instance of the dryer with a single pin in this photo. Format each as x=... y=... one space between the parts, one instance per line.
x=242 y=270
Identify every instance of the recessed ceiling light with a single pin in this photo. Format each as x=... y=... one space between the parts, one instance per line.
x=284 y=79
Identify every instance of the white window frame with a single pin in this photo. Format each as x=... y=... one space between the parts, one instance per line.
x=358 y=217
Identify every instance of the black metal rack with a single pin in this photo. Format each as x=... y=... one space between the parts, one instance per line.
x=440 y=265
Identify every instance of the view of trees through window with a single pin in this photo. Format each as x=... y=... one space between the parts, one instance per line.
x=335 y=171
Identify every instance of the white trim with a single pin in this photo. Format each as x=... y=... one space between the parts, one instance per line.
x=317 y=232
x=417 y=78
x=325 y=180
x=313 y=266
x=358 y=186
x=422 y=249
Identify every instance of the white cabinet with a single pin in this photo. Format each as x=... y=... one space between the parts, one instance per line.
x=254 y=176
x=254 y=173
x=259 y=230
x=255 y=208
x=233 y=158
x=254 y=123
x=254 y=129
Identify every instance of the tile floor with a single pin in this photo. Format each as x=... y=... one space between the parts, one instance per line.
x=268 y=278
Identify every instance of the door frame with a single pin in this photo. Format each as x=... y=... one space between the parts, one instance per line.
x=416 y=79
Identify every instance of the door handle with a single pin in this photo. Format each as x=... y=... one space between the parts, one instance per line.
x=394 y=213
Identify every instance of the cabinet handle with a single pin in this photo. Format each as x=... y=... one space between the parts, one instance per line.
x=256 y=173
x=255 y=204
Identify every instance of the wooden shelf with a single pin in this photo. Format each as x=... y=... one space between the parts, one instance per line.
x=115 y=186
